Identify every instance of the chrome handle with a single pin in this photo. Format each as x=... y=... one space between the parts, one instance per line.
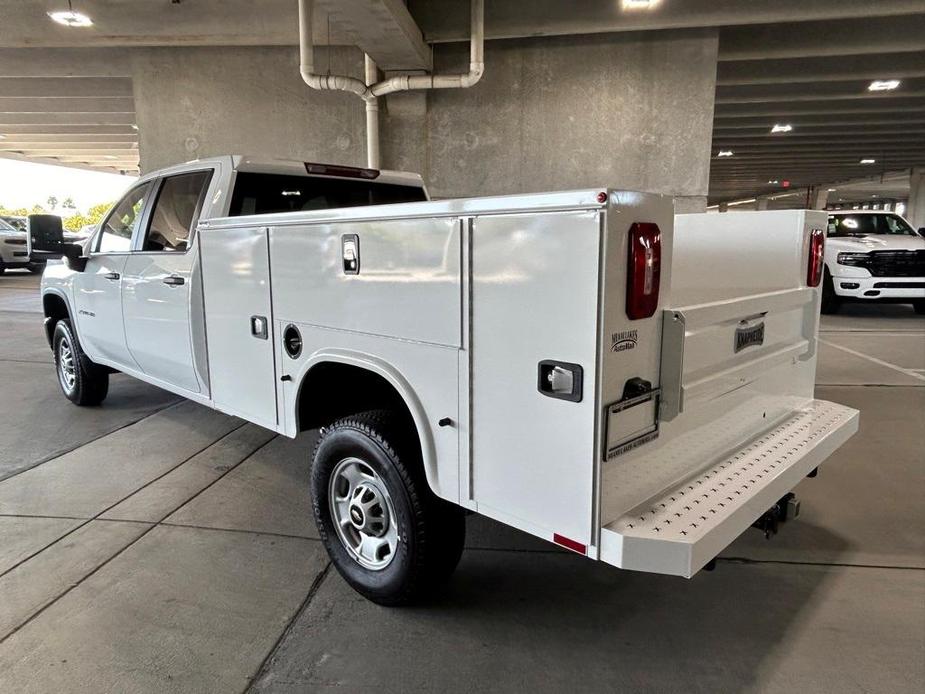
x=112 y=275
x=173 y=280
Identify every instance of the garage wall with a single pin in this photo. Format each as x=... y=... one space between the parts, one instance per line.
x=623 y=110
x=199 y=102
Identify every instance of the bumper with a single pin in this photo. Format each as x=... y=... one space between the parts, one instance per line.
x=872 y=288
x=681 y=529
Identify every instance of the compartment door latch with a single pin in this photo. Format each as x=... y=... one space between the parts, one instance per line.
x=560 y=379
x=350 y=245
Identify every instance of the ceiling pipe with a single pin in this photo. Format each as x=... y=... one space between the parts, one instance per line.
x=370 y=89
x=372 y=115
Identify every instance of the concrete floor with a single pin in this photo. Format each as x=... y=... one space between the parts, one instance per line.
x=152 y=545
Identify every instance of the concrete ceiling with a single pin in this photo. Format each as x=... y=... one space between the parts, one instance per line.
x=68 y=98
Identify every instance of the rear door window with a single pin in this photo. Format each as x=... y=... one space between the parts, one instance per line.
x=175 y=212
x=257 y=193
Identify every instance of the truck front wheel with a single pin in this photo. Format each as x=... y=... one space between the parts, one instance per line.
x=831 y=302
x=83 y=382
x=387 y=534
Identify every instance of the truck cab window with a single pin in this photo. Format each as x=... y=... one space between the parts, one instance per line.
x=176 y=211
x=258 y=193
x=116 y=234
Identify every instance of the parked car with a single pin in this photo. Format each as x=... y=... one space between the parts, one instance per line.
x=19 y=223
x=580 y=365
x=14 y=252
x=873 y=256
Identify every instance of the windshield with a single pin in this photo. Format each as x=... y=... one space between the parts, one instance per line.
x=258 y=193
x=864 y=224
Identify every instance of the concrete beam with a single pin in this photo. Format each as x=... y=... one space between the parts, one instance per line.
x=898 y=105
x=818 y=91
x=67 y=104
x=826 y=68
x=39 y=138
x=821 y=122
x=53 y=119
x=71 y=147
x=851 y=36
x=108 y=167
x=448 y=20
x=51 y=129
x=64 y=62
x=65 y=86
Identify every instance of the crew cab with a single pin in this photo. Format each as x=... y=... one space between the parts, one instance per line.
x=581 y=365
x=873 y=256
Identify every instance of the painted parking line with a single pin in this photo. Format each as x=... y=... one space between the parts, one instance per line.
x=908 y=372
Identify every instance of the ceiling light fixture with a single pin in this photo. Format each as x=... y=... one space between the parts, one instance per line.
x=868 y=161
x=69 y=18
x=832 y=190
x=639 y=4
x=778 y=128
x=883 y=85
x=725 y=153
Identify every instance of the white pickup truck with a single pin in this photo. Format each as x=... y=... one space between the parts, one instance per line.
x=873 y=256
x=580 y=365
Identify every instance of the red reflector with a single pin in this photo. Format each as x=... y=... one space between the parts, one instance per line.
x=816 y=257
x=569 y=544
x=345 y=171
x=602 y=198
x=644 y=270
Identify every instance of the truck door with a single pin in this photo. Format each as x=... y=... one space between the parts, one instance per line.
x=98 y=290
x=158 y=281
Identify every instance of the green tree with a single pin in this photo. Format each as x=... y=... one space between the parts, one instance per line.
x=52 y=202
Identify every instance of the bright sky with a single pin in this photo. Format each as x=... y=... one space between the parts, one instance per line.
x=24 y=184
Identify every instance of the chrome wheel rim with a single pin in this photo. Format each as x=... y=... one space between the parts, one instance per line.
x=67 y=367
x=363 y=515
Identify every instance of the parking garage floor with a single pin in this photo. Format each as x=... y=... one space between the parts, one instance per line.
x=152 y=545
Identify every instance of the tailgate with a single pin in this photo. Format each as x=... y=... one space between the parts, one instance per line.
x=737 y=425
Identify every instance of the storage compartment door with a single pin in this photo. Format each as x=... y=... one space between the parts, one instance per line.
x=239 y=323
x=534 y=338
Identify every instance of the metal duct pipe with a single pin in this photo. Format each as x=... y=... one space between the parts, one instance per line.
x=371 y=89
x=307 y=60
x=476 y=63
x=372 y=115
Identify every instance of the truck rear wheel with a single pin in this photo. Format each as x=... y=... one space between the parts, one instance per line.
x=387 y=534
x=82 y=381
x=919 y=306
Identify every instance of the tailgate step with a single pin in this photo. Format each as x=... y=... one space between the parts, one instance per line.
x=681 y=529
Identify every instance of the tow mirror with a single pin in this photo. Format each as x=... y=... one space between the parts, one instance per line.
x=45 y=240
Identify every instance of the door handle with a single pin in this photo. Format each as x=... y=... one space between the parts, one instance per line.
x=173 y=280
x=112 y=275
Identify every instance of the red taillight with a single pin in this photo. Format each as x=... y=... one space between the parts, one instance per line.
x=645 y=264
x=816 y=257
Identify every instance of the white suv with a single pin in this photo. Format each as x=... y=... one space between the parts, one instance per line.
x=872 y=255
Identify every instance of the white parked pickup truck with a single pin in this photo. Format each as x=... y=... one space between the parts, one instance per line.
x=873 y=256
x=582 y=365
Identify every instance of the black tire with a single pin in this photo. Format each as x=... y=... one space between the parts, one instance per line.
x=830 y=300
x=37 y=268
x=919 y=306
x=89 y=382
x=430 y=531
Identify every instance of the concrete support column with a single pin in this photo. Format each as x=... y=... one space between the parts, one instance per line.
x=689 y=204
x=915 y=208
x=818 y=197
x=762 y=202
x=724 y=207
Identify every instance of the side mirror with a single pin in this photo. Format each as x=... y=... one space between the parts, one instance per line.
x=45 y=240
